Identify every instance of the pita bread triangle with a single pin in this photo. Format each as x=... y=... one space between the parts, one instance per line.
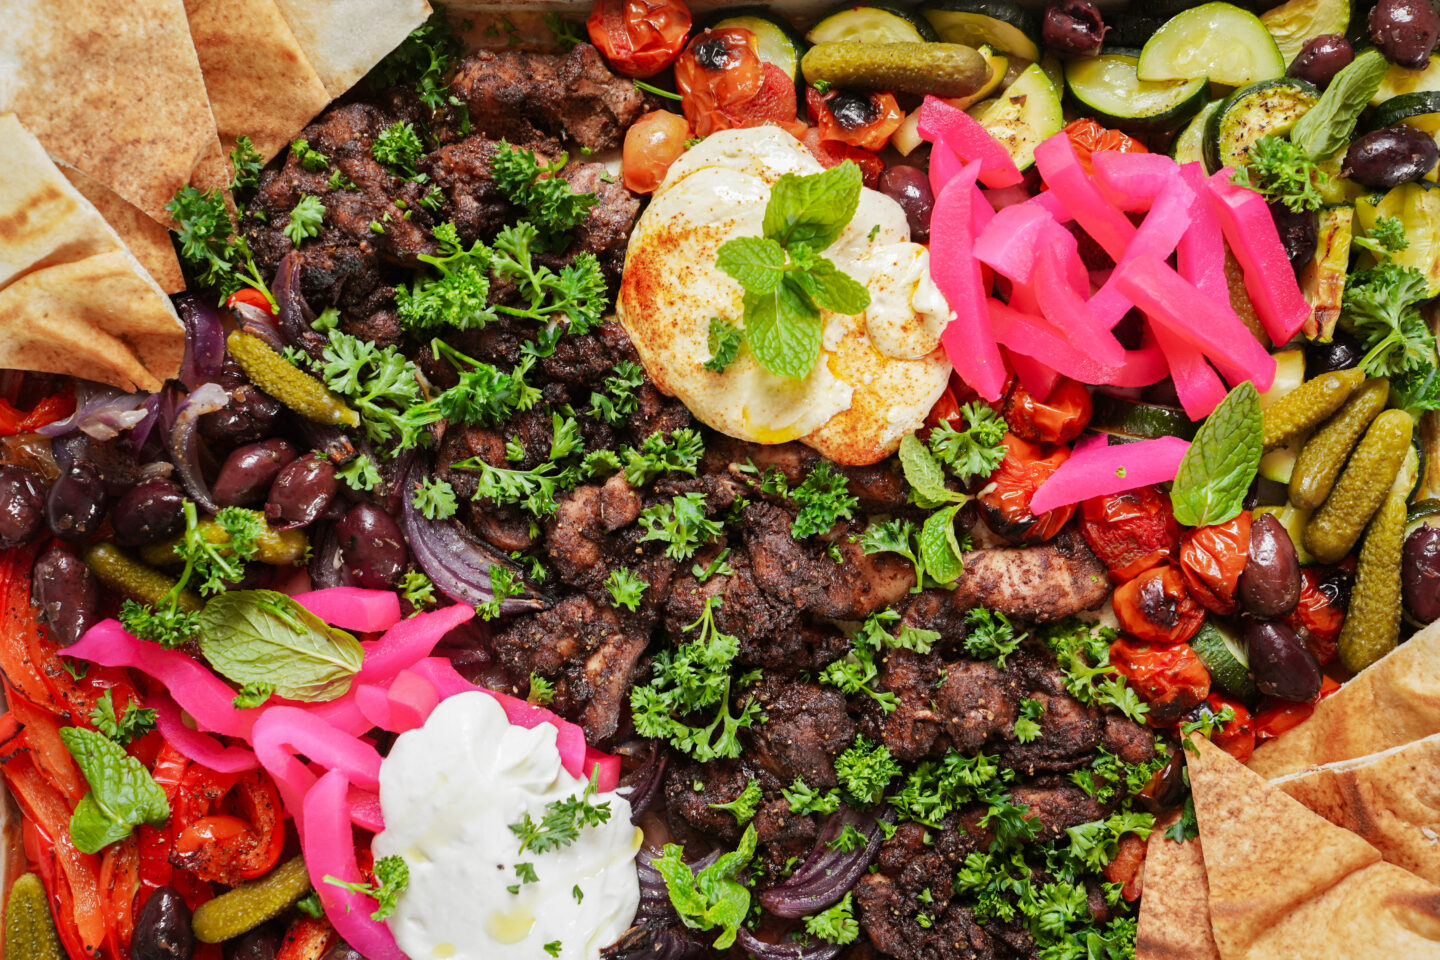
x=147 y=239
x=1285 y=884
x=1391 y=799
x=1175 y=907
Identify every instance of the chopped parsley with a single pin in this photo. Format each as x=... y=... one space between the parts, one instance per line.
x=392 y=876
x=724 y=342
x=1027 y=723
x=743 y=806
x=378 y=382
x=252 y=695
x=132 y=724
x=626 y=588
x=823 y=498
x=211 y=244
x=542 y=691
x=1082 y=651
x=837 y=924
x=1282 y=173
x=617 y=400
x=435 y=498
x=397 y=147
x=309 y=158
x=804 y=799
x=360 y=474
x=865 y=770
x=677 y=452
x=562 y=821
x=990 y=635
x=975 y=451
x=504 y=584
x=417 y=590
x=246 y=163
x=681 y=524
x=547 y=198
x=1381 y=304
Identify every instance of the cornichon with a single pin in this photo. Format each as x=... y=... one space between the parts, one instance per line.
x=29 y=928
x=1372 y=625
x=942 y=69
x=247 y=906
x=276 y=547
x=1361 y=489
x=1309 y=404
x=288 y=383
x=1324 y=454
x=135 y=580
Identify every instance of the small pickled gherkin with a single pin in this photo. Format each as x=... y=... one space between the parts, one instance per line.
x=287 y=383
x=247 y=906
x=278 y=548
x=941 y=69
x=1372 y=624
x=1324 y=454
x=29 y=928
x=1308 y=405
x=1362 y=487
x=133 y=579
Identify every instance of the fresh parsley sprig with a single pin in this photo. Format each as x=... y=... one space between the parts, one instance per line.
x=212 y=245
x=392 y=876
x=562 y=821
x=134 y=722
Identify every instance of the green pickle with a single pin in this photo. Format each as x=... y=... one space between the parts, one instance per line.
x=29 y=928
x=278 y=548
x=1308 y=405
x=941 y=69
x=135 y=580
x=247 y=906
x=1324 y=454
x=287 y=383
x=1372 y=624
x=1362 y=487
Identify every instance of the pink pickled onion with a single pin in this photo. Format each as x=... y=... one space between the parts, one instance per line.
x=200 y=747
x=1200 y=254
x=1269 y=278
x=374 y=706
x=1034 y=337
x=411 y=698
x=1131 y=181
x=1072 y=187
x=353 y=608
x=328 y=843
x=967 y=338
x=942 y=122
x=365 y=810
x=1037 y=378
x=1158 y=234
x=1095 y=469
x=944 y=167
x=410 y=641
x=1196 y=384
x=283 y=731
x=608 y=766
x=1063 y=303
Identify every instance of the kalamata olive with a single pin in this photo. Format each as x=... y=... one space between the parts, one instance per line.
x=249 y=471
x=372 y=549
x=1299 y=232
x=301 y=493
x=249 y=414
x=1341 y=353
x=1166 y=786
x=66 y=594
x=1320 y=59
x=1281 y=665
x=1420 y=574
x=340 y=950
x=148 y=513
x=75 y=505
x=262 y=943
x=162 y=930
x=909 y=187
x=1388 y=157
x=1405 y=31
x=22 y=506
x=1072 y=29
x=1270 y=583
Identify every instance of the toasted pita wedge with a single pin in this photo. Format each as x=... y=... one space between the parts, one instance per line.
x=113 y=88
x=1391 y=799
x=343 y=39
x=1394 y=701
x=73 y=299
x=1286 y=884
x=1175 y=906
x=260 y=83
x=146 y=239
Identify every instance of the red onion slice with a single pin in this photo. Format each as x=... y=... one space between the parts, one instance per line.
x=826 y=875
x=295 y=315
x=793 y=950
x=185 y=441
x=204 y=340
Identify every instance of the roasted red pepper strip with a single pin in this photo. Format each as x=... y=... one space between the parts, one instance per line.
x=306 y=938
x=1236 y=737
x=41 y=736
x=119 y=882
x=227 y=828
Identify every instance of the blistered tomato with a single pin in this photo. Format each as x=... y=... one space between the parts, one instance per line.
x=1274 y=717
x=1320 y=612
x=652 y=143
x=1087 y=136
x=1006 y=505
x=1059 y=418
x=832 y=153
x=1235 y=736
x=1131 y=531
x=858 y=118
x=724 y=85
x=639 y=37
x=1168 y=677
x=1212 y=559
x=1156 y=607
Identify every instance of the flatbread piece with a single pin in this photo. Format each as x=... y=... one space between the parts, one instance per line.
x=147 y=239
x=343 y=39
x=1175 y=905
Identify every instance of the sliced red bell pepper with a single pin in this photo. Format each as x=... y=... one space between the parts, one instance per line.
x=307 y=938
x=119 y=882
x=48 y=752
x=227 y=828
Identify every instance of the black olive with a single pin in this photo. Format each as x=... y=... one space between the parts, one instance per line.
x=1072 y=29
x=1386 y=158
x=1405 y=31
x=1320 y=59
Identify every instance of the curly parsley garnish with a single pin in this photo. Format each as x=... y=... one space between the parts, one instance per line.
x=392 y=876
x=743 y=807
x=1282 y=173
x=562 y=821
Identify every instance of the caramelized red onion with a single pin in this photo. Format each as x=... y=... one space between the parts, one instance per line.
x=791 y=950
x=204 y=340
x=295 y=315
x=826 y=875
x=260 y=323
x=657 y=941
x=185 y=441
x=649 y=781
x=101 y=413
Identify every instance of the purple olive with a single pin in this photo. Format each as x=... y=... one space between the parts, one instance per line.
x=1405 y=31
x=75 y=505
x=163 y=929
x=1299 y=233
x=1270 y=583
x=1388 y=157
x=1281 y=665
x=22 y=506
x=1072 y=29
x=909 y=187
x=1342 y=352
x=1420 y=574
x=249 y=414
x=1320 y=59
x=301 y=493
x=372 y=548
x=250 y=470
x=66 y=593
x=148 y=513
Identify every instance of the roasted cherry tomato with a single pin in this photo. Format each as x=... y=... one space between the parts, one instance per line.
x=1167 y=676
x=251 y=296
x=1156 y=607
x=1237 y=735
x=1059 y=418
x=832 y=153
x=1087 y=136
x=723 y=84
x=1320 y=613
x=1006 y=505
x=652 y=143
x=859 y=118
x=1274 y=717
x=1131 y=531
x=639 y=37
x=1125 y=868
x=1212 y=559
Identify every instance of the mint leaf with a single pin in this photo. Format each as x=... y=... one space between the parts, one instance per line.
x=940 y=548
x=813 y=210
x=1218 y=468
x=255 y=637
x=755 y=263
x=1326 y=127
x=925 y=475
x=833 y=289
x=714 y=897
x=122 y=794
x=783 y=330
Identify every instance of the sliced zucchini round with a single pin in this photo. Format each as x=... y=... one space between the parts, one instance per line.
x=1265 y=109
x=1108 y=87
x=1417 y=206
x=1225 y=657
x=1216 y=40
x=1189 y=144
x=1404 y=108
x=1003 y=24
x=1024 y=114
x=779 y=43
x=1295 y=23
x=876 y=23
x=1128 y=29
x=1119 y=417
x=1399 y=81
x=1289 y=374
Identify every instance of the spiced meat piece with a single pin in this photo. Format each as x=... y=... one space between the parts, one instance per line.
x=888 y=916
x=878 y=488
x=806 y=726
x=909 y=729
x=692 y=789
x=975 y=702
x=1127 y=739
x=534 y=98
x=1069 y=733
x=745 y=611
x=1057 y=804
x=475 y=205
x=606 y=230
